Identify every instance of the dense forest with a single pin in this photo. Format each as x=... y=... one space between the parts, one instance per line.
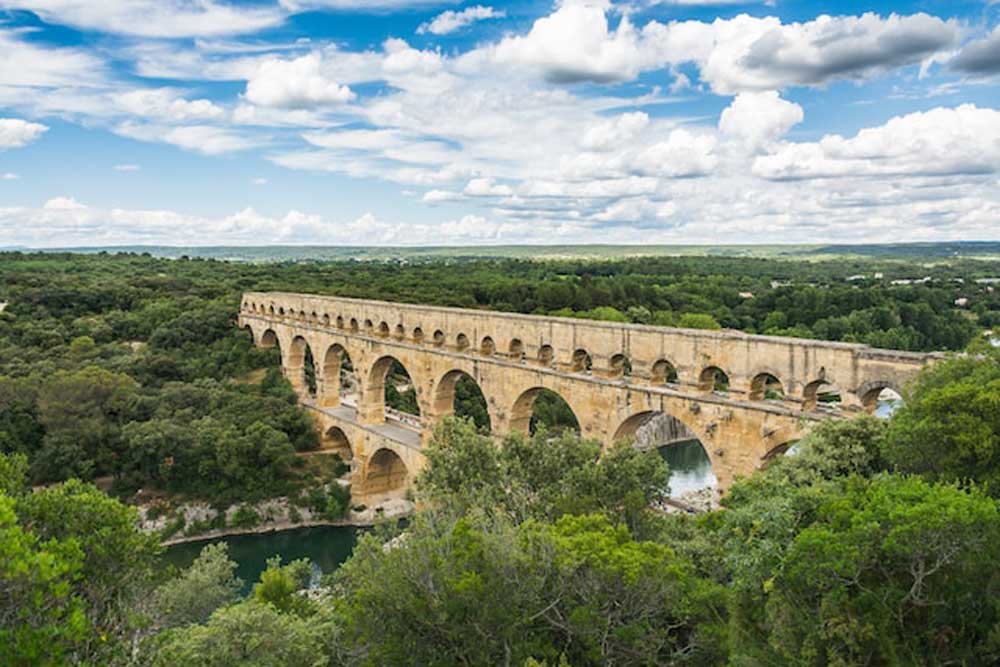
x=112 y=364
x=875 y=544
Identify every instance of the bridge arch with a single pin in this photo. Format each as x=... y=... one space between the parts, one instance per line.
x=337 y=369
x=487 y=348
x=376 y=389
x=546 y=355
x=581 y=362
x=300 y=367
x=821 y=390
x=713 y=379
x=619 y=366
x=458 y=385
x=335 y=439
x=269 y=339
x=663 y=372
x=765 y=385
x=692 y=465
x=524 y=418
x=385 y=474
x=870 y=392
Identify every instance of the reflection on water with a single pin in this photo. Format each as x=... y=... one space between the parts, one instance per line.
x=690 y=469
x=326 y=547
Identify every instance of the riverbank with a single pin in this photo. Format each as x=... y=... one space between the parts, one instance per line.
x=197 y=521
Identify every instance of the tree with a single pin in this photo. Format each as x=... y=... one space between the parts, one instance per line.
x=249 y=634
x=119 y=562
x=628 y=602
x=41 y=618
x=892 y=572
x=698 y=321
x=280 y=586
x=539 y=477
x=208 y=584
x=948 y=427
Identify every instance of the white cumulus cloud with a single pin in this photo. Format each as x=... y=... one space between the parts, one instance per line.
x=944 y=141
x=16 y=132
x=300 y=83
x=759 y=118
x=450 y=21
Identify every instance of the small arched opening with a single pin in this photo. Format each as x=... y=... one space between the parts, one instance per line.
x=418 y=335
x=714 y=379
x=326 y=319
x=581 y=362
x=619 y=366
x=516 y=349
x=340 y=321
x=461 y=342
x=249 y=330
x=881 y=400
x=354 y=326
x=542 y=408
x=369 y=327
x=391 y=388
x=487 y=348
x=438 y=338
x=766 y=387
x=400 y=332
x=383 y=329
x=784 y=449
x=690 y=466
x=385 y=474
x=459 y=394
x=821 y=394
x=663 y=372
x=546 y=355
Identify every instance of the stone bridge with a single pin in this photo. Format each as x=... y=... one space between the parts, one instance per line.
x=745 y=397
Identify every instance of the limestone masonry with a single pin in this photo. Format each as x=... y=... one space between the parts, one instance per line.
x=615 y=377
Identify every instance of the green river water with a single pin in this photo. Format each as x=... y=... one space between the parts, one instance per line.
x=327 y=547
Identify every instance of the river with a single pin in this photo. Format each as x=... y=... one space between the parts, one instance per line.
x=690 y=469
x=326 y=547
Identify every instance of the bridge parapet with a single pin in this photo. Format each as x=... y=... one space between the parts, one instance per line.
x=606 y=349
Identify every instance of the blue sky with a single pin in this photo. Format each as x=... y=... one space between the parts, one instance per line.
x=403 y=122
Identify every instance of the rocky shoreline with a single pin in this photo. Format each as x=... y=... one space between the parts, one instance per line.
x=196 y=521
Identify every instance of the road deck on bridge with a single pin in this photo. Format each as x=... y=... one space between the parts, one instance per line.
x=392 y=430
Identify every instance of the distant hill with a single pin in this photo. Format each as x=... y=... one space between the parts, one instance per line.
x=371 y=253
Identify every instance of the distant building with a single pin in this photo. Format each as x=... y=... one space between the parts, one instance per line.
x=856 y=277
x=746 y=295
x=962 y=302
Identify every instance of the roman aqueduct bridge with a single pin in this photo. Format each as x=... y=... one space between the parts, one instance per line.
x=745 y=397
